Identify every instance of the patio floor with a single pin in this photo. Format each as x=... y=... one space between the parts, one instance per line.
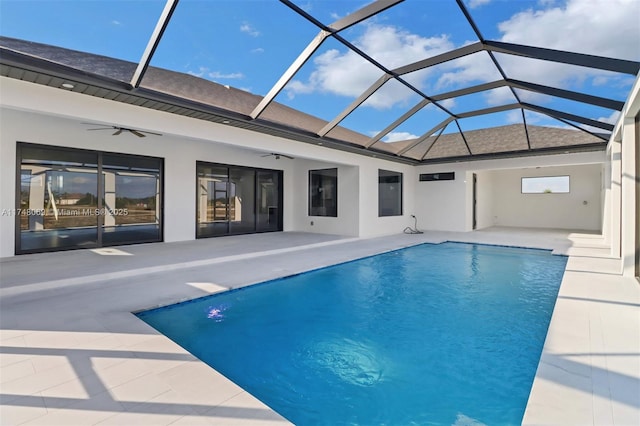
x=73 y=354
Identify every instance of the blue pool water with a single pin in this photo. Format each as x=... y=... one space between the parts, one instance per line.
x=434 y=334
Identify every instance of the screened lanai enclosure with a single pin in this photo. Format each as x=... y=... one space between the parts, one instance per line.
x=390 y=79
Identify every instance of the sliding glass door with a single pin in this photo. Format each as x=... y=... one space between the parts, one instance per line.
x=268 y=201
x=58 y=196
x=237 y=200
x=82 y=199
x=131 y=203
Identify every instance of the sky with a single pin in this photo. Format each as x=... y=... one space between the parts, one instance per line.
x=249 y=44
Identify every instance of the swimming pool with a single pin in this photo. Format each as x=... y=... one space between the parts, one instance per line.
x=433 y=334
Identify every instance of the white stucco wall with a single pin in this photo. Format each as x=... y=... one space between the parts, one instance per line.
x=370 y=223
x=625 y=147
x=579 y=209
x=447 y=205
x=347 y=221
x=442 y=205
x=179 y=165
x=38 y=114
x=484 y=206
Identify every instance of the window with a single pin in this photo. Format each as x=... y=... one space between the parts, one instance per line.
x=430 y=177
x=389 y=193
x=545 y=185
x=323 y=192
x=71 y=198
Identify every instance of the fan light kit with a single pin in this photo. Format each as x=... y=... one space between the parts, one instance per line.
x=277 y=156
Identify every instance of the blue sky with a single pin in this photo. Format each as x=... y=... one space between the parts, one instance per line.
x=248 y=44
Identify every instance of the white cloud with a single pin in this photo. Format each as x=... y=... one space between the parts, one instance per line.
x=218 y=74
x=541 y=119
x=514 y=117
x=200 y=73
x=347 y=74
x=499 y=96
x=399 y=136
x=257 y=50
x=307 y=7
x=116 y=23
x=477 y=3
x=611 y=119
x=448 y=103
x=477 y=67
x=249 y=29
x=80 y=180
x=598 y=27
x=297 y=87
x=215 y=75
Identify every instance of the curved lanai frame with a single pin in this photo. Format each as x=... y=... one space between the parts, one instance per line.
x=417 y=150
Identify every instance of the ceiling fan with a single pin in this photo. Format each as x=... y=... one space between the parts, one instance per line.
x=119 y=130
x=277 y=156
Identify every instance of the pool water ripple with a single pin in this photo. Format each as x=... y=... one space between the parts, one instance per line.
x=434 y=334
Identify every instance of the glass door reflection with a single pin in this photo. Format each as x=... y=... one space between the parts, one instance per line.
x=213 y=201
x=268 y=201
x=58 y=200
x=241 y=200
x=237 y=200
x=73 y=198
x=131 y=203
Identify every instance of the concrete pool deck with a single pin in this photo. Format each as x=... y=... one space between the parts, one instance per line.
x=73 y=354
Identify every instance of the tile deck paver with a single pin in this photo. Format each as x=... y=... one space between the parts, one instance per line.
x=73 y=353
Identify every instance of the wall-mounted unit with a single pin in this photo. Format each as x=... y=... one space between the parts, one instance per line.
x=430 y=177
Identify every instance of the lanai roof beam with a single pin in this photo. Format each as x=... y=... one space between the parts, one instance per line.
x=154 y=41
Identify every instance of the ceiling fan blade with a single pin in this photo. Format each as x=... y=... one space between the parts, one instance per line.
x=119 y=130
x=277 y=156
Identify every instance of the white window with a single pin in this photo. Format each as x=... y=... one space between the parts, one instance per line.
x=545 y=185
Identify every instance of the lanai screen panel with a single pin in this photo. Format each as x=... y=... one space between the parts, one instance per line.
x=387 y=75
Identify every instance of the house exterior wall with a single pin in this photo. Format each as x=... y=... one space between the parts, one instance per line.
x=485 y=216
x=580 y=209
x=624 y=146
x=40 y=114
x=432 y=197
x=346 y=223
x=179 y=165
x=442 y=205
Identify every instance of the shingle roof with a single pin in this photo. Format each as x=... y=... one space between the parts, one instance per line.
x=96 y=69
